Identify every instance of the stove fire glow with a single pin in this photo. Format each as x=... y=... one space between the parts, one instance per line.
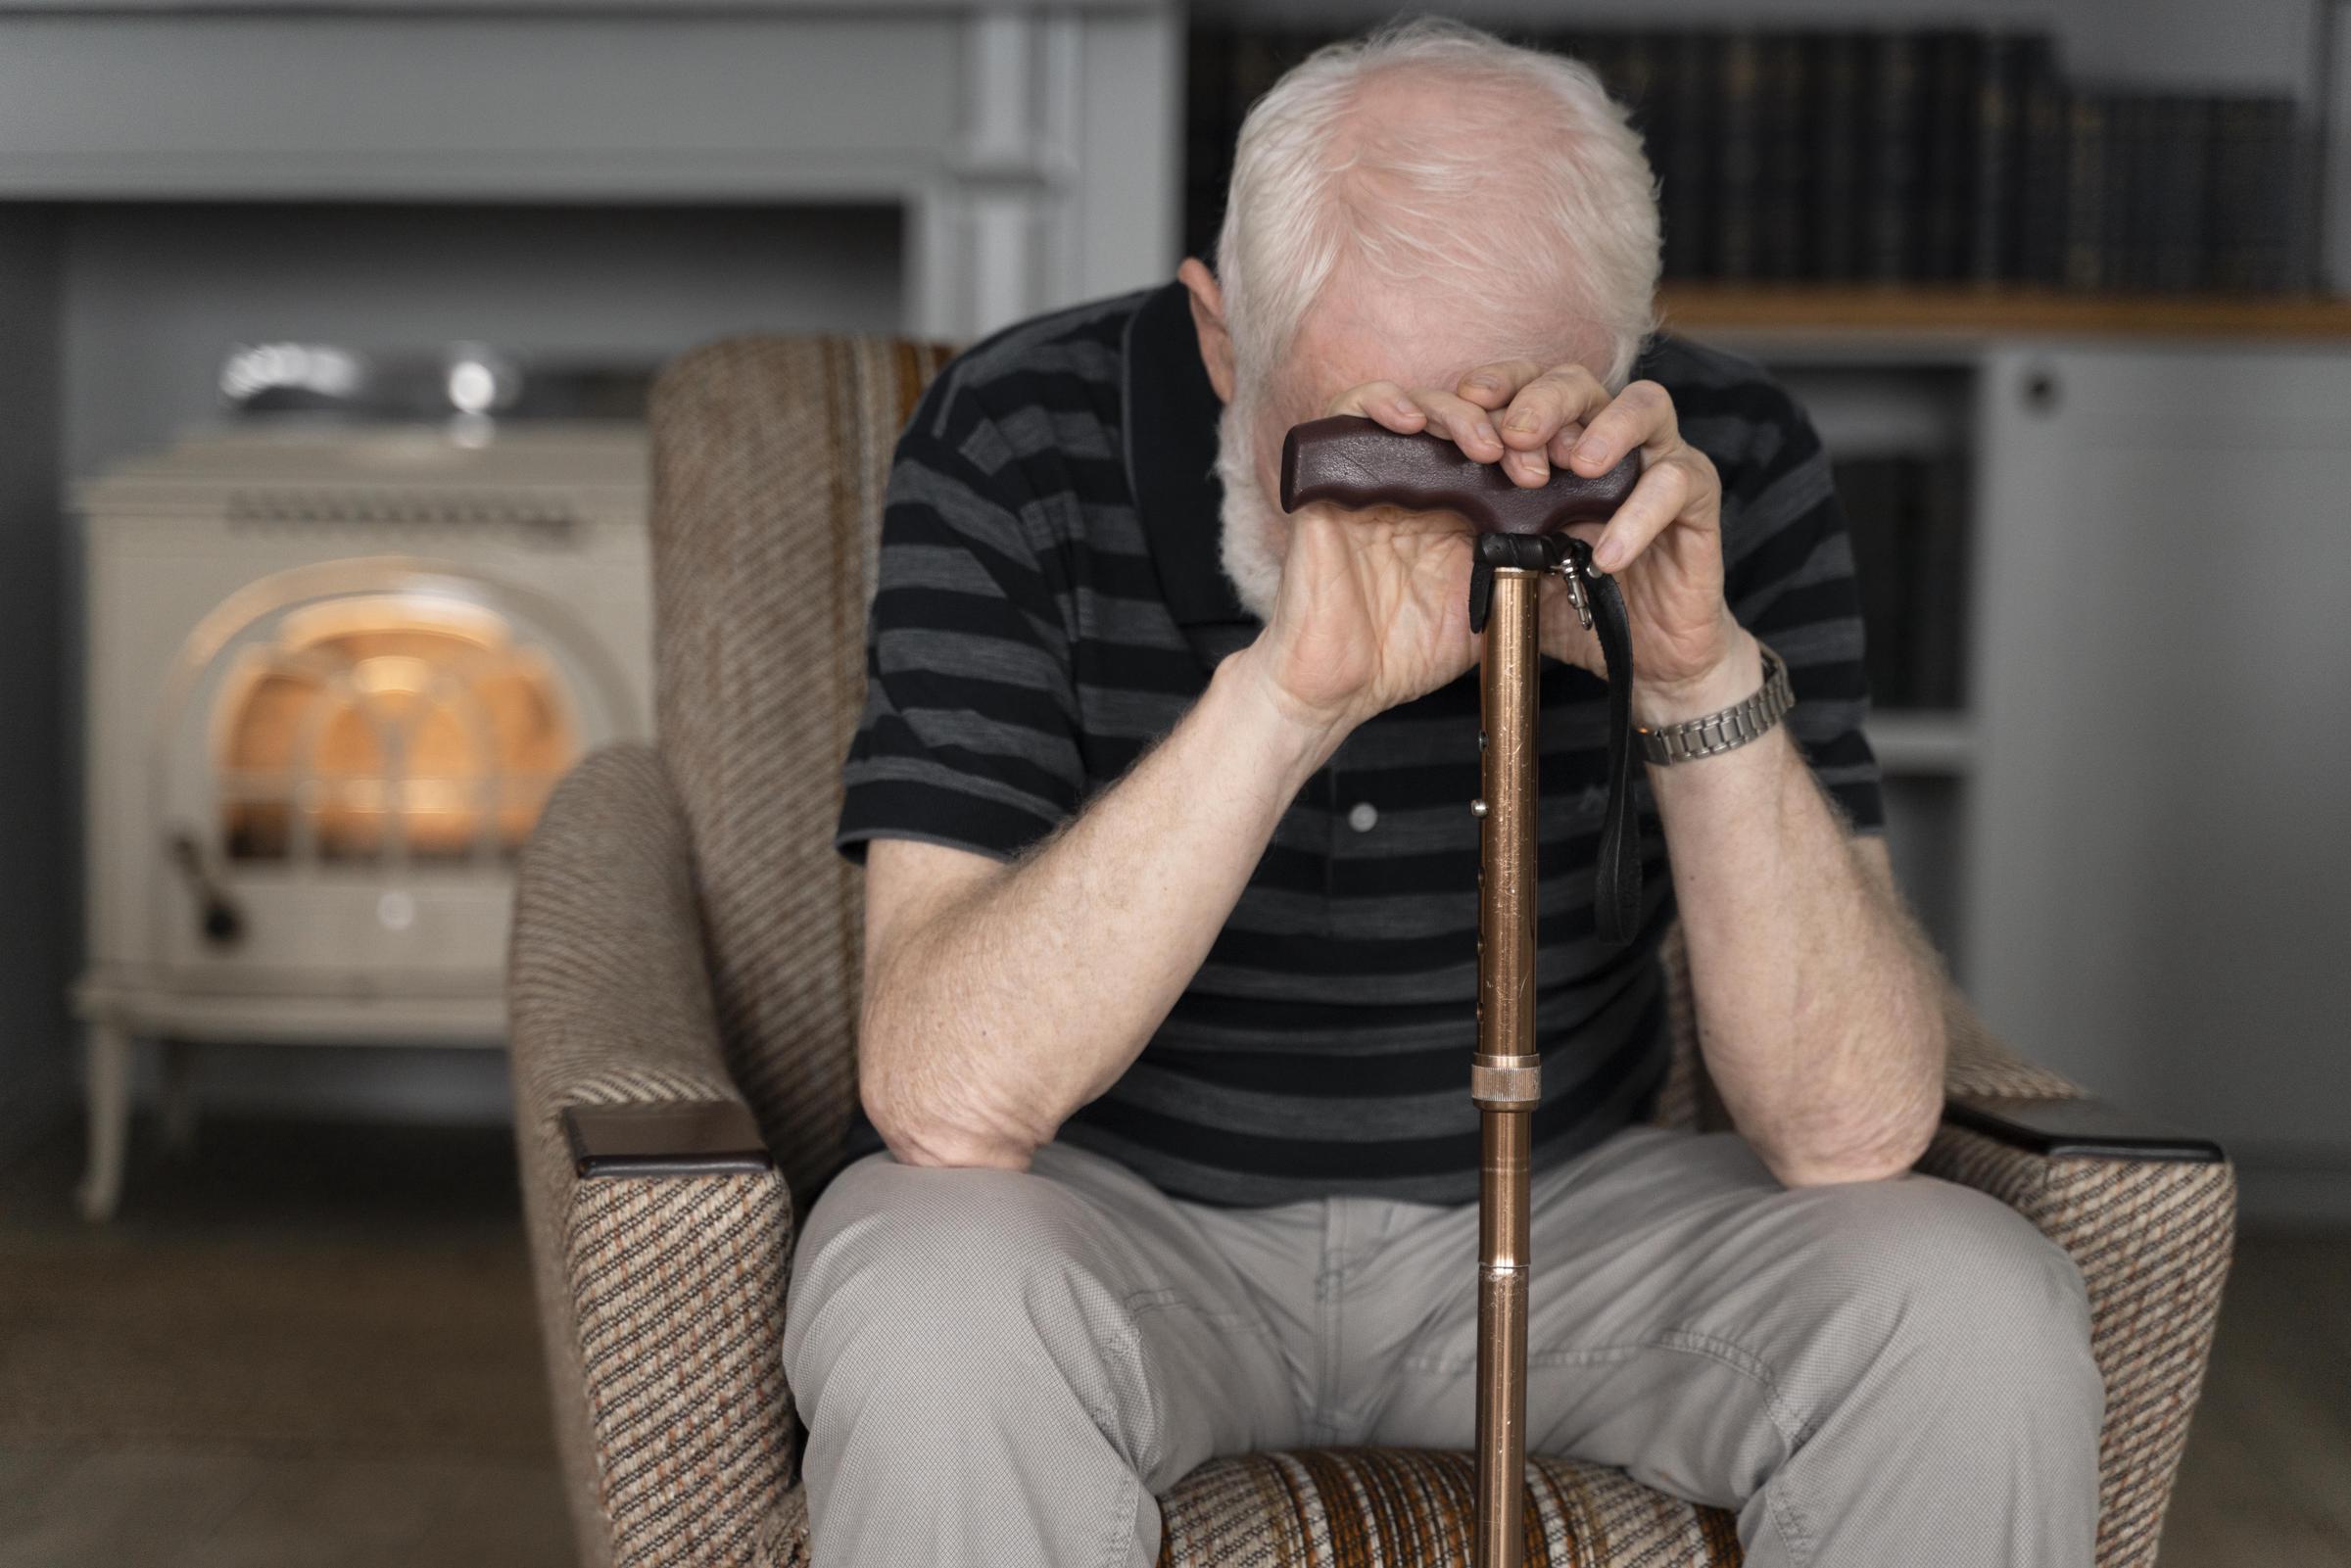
x=390 y=726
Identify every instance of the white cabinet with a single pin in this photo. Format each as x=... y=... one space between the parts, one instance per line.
x=2136 y=841
x=2158 y=834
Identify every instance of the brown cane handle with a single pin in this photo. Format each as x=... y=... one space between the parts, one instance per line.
x=1359 y=463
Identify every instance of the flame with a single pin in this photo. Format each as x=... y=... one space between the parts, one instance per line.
x=392 y=718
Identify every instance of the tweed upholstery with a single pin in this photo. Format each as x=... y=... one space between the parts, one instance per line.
x=1393 y=1508
x=684 y=930
x=2153 y=1240
x=769 y=463
x=663 y=1300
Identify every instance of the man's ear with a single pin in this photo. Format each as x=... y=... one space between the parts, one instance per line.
x=1208 y=320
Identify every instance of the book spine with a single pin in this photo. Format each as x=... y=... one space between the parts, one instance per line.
x=1689 y=179
x=1947 y=66
x=1937 y=583
x=2299 y=266
x=1209 y=131
x=1890 y=153
x=1992 y=180
x=1738 y=146
x=1868 y=492
x=2133 y=254
x=1834 y=138
x=1785 y=177
x=2040 y=189
x=2181 y=177
x=2234 y=201
x=2085 y=191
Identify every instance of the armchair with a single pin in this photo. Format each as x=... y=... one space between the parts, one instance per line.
x=684 y=989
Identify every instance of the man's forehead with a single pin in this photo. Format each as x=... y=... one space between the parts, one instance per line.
x=1430 y=339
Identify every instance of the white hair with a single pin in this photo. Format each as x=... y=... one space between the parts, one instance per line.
x=1315 y=187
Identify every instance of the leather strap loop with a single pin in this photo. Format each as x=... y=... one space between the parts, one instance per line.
x=1616 y=894
x=1617 y=888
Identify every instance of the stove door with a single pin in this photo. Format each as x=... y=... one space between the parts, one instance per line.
x=348 y=767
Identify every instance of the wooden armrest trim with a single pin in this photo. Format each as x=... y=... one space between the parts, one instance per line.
x=676 y=1138
x=2079 y=1129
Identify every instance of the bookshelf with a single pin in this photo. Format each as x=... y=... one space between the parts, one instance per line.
x=1891 y=316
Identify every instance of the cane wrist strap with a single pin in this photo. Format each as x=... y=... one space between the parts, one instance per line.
x=1617 y=888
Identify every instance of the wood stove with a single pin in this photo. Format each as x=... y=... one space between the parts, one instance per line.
x=335 y=669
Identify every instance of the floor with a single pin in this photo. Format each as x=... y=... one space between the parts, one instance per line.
x=316 y=1347
x=303 y=1345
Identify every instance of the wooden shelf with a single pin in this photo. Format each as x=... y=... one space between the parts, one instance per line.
x=1861 y=311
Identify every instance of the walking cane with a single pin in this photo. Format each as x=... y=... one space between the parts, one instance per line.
x=1360 y=463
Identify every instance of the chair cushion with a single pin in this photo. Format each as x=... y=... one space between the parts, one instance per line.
x=1395 y=1508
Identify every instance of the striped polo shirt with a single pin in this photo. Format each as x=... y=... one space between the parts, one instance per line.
x=1049 y=599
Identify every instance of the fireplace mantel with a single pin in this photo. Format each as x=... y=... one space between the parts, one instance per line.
x=1034 y=147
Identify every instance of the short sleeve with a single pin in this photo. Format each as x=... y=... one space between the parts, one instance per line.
x=1790 y=580
x=968 y=737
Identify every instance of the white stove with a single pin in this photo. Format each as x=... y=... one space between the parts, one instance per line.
x=334 y=671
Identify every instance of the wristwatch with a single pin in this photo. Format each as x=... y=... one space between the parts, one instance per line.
x=1726 y=731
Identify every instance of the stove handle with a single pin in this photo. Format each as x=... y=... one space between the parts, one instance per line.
x=223 y=924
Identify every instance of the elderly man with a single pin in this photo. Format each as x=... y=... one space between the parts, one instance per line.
x=1171 y=910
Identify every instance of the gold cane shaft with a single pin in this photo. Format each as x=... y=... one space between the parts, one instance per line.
x=1503 y=1075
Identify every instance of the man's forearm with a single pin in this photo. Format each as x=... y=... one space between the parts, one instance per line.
x=1819 y=1003
x=1028 y=997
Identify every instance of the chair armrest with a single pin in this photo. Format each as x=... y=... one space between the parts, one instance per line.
x=676 y=1138
x=659 y=1227
x=2148 y=1215
x=2057 y=1128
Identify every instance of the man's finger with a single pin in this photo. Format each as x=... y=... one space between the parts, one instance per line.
x=1640 y=415
x=1464 y=422
x=1667 y=491
x=1383 y=401
x=1559 y=395
x=1490 y=386
x=1564 y=441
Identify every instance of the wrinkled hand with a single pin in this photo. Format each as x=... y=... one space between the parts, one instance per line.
x=1374 y=608
x=1663 y=545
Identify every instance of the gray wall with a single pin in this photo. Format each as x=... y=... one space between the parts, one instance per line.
x=156 y=292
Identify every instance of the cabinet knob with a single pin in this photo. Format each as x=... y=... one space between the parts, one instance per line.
x=2041 y=390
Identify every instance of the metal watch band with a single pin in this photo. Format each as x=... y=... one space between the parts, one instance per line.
x=1728 y=729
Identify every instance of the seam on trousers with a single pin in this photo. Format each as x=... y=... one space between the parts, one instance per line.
x=1795 y=1430
x=1122 y=1529
x=1143 y=1301
x=1128 y=1344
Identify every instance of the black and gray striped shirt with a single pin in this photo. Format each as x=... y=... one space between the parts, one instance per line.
x=1049 y=600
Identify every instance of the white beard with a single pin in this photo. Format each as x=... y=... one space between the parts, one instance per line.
x=1253 y=532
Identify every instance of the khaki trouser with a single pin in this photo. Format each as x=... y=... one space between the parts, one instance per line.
x=1007 y=1367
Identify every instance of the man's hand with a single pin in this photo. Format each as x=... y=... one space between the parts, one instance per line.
x=1665 y=544
x=1374 y=604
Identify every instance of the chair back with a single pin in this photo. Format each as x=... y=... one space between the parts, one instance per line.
x=770 y=454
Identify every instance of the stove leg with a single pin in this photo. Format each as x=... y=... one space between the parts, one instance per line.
x=108 y=1046
x=179 y=1096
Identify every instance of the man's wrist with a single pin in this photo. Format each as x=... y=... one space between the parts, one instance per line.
x=1302 y=738
x=1733 y=677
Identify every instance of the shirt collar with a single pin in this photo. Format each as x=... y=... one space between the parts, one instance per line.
x=1171 y=411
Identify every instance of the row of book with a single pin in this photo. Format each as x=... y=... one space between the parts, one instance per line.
x=1941 y=155
x=1907 y=518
